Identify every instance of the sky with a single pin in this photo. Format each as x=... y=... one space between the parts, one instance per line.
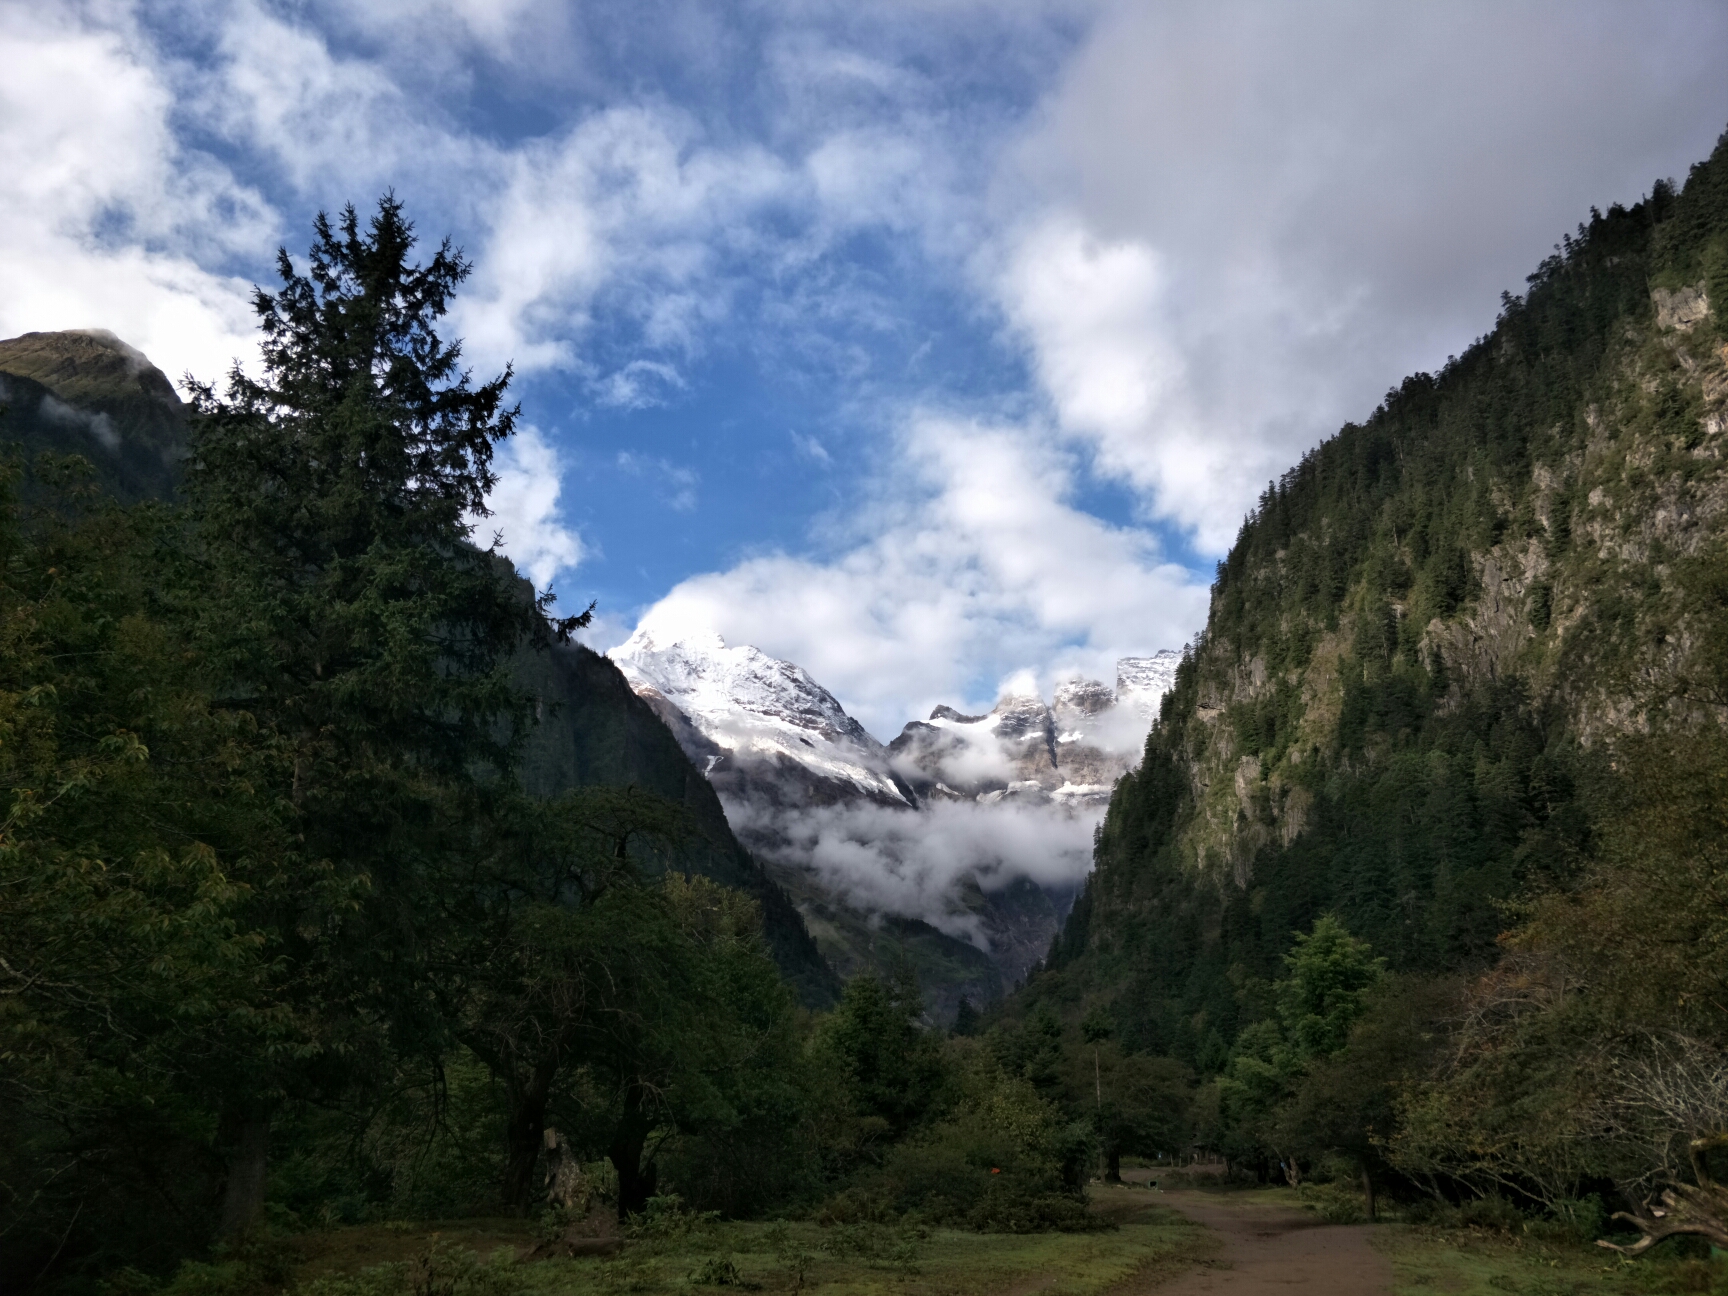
x=927 y=344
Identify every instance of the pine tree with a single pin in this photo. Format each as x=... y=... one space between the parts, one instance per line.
x=341 y=603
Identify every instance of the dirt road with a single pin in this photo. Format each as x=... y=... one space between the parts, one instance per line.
x=1275 y=1251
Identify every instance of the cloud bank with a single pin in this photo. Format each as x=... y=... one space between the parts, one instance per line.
x=882 y=860
x=1237 y=224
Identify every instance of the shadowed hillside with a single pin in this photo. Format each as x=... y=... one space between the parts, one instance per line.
x=88 y=393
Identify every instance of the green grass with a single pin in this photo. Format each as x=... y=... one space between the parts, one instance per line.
x=476 y=1258
x=1472 y=1262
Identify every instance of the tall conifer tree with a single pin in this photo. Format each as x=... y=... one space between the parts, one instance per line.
x=344 y=607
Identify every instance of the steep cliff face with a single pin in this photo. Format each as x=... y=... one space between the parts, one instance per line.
x=1425 y=634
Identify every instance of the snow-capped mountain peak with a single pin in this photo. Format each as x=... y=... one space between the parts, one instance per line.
x=1141 y=682
x=704 y=677
x=766 y=720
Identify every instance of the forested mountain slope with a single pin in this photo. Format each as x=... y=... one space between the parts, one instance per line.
x=86 y=392
x=601 y=734
x=1424 y=636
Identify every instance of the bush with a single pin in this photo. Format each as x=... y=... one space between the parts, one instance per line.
x=1494 y=1213
x=719 y=1271
x=665 y=1218
x=1585 y=1218
x=1005 y=1161
x=1333 y=1202
x=441 y=1270
x=874 y=1242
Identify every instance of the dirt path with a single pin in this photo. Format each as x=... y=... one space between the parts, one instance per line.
x=1276 y=1251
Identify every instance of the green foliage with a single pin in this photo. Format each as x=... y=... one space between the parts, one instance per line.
x=1288 y=1068
x=1382 y=718
x=1330 y=975
x=1570 y=1062
x=270 y=892
x=1333 y=1203
x=1453 y=700
x=718 y=1271
x=891 y=1068
x=130 y=978
x=665 y=1218
x=441 y=1270
x=1004 y=1159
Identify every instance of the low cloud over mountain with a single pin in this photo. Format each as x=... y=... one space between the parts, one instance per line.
x=975 y=827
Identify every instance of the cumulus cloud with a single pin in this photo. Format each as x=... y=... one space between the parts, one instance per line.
x=525 y=516
x=628 y=200
x=1234 y=225
x=979 y=567
x=106 y=219
x=1212 y=231
x=913 y=863
x=321 y=120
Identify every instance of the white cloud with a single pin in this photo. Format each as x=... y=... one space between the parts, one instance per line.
x=105 y=220
x=437 y=33
x=1232 y=226
x=327 y=122
x=638 y=385
x=811 y=448
x=977 y=567
x=628 y=201
x=524 y=505
x=1223 y=229
x=676 y=483
x=913 y=862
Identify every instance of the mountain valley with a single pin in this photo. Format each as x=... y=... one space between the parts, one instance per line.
x=955 y=848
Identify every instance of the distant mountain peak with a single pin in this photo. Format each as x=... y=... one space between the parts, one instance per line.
x=794 y=770
x=756 y=724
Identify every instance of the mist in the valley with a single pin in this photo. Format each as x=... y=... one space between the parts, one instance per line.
x=913 y=862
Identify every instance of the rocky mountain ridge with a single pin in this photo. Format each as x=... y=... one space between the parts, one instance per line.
x=1069 y=752
x=86 y=392
x=759 y=728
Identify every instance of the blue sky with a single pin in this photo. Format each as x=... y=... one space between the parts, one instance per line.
x=935 y=346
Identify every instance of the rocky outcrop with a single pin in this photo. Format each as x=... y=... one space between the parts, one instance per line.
x=1680 y=308
x=1069 y=753
x=759 y=728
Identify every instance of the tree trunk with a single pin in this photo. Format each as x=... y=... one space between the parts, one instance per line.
x=636 y=1182
x=1112 y=1163
x=1368 y=1190
x=243 y=1194
x=523 y=1132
